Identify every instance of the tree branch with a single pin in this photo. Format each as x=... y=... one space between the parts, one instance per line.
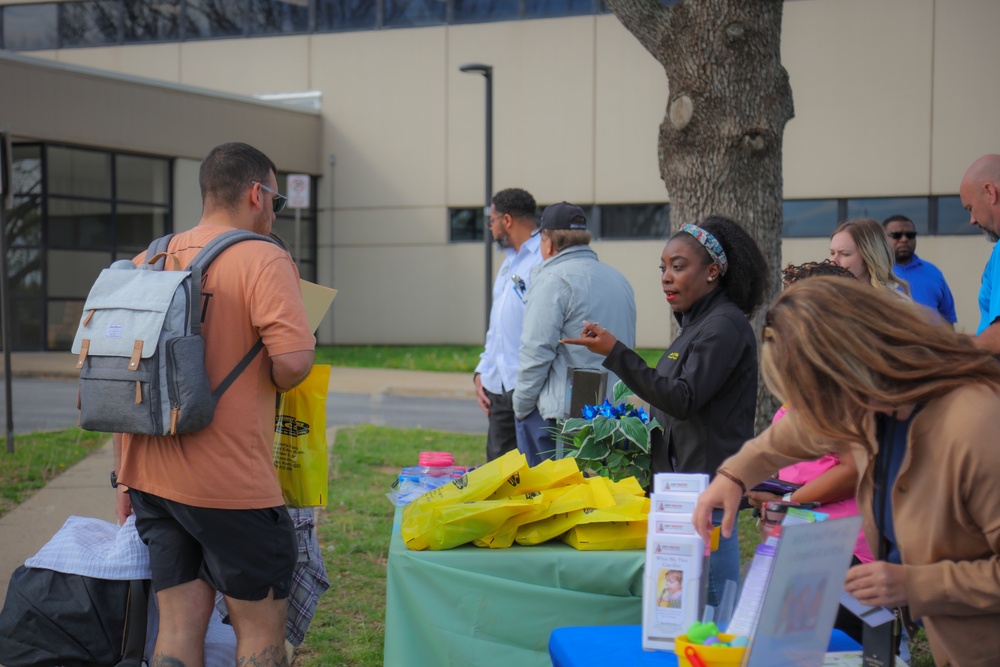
x=649 y=21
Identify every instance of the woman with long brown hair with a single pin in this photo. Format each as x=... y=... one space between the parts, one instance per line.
x=869 y=375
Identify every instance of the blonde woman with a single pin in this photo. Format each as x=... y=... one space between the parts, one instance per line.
x=915 y=404
x=861 y=246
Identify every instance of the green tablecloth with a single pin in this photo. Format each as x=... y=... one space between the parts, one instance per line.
x=474 y=607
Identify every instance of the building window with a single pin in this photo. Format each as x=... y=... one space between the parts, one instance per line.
x=952 y=218
x=465 y=224
x=152 y=20
x=91 y=23
x=474 y=11
x=277 y=17
x=546 y=8
x=75 y=211
x=914 y=208
x=207 y=19
x=407 y=13
x=809 y=217
x=31 y=27
x=631 y=221
x=285 y=228
x=332 y=15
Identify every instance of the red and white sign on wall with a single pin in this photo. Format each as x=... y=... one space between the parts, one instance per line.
x=298 y=190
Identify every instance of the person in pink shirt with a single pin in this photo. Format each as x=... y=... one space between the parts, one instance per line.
x=829 y=481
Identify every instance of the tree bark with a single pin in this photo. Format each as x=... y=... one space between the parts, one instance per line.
x=721 y=136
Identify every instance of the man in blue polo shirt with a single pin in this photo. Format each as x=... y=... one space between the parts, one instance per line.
x=927 y=284
x=980 y=193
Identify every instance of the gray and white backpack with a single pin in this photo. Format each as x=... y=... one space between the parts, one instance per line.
x=140 y=351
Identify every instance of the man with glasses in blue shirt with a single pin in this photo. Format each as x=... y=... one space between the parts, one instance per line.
x=512 y=223
x=927 y=284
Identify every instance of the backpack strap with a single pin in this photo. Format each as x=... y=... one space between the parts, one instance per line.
x=200 y=262
x=134 y=638
x=157 y=247
x=212 y=249
x=239 y=368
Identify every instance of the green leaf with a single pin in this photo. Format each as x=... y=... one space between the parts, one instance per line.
x=593 y=449
x=582 y=436
x=635 y=431
x=621 y=391
x=604 y=428
x=616 y=459
x=574 y=424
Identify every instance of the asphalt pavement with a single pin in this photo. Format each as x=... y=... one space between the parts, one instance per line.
x=44 y=393
x=44 y=397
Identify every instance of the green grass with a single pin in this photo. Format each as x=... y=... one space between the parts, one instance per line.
x=37 y=458
x=349 y=627
x=453 y=358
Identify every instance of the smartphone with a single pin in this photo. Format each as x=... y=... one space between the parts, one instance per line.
x=775 y=510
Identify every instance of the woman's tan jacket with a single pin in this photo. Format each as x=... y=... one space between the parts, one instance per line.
x=945 y=508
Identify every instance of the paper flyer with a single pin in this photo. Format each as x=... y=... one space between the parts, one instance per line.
x=673 y=502
x=679 y=481
x=317 y=300
x=801 y=598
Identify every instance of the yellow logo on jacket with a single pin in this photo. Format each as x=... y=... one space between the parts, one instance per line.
x=673 y=355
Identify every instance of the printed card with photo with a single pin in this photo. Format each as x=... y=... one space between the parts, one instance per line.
x=673 y=585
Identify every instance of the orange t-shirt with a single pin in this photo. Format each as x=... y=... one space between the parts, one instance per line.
x=251 y=290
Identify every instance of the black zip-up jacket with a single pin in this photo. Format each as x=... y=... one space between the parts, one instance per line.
x=703 y=390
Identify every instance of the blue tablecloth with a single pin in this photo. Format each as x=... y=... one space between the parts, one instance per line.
x=621 y=646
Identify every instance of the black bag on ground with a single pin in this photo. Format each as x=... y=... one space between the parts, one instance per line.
x=51 y=618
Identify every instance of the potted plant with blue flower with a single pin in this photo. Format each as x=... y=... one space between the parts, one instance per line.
x=610 y=439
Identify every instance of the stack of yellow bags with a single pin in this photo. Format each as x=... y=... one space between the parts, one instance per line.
x=505 y=501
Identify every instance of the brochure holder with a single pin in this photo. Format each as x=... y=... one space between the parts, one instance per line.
x=802 y=593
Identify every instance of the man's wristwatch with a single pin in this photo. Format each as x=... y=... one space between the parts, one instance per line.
x=114 y=480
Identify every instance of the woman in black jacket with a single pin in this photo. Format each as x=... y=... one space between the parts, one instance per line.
x=704 y=388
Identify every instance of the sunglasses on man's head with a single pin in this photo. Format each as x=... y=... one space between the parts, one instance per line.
x=895 y=236
x=279 y=201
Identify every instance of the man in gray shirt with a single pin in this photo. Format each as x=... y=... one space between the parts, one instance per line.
x=570 y=286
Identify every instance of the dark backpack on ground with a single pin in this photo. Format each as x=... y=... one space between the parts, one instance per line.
x=141 y=353
x=52 y=618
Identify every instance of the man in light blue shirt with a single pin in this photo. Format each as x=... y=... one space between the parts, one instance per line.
x=512 y=223
x=927 y=284
x=980 y=193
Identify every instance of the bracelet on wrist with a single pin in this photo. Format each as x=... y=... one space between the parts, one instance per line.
x=733 y=478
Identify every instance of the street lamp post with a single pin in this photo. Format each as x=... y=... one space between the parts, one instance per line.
x=487 y=71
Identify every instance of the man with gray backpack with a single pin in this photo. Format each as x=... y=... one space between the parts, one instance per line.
x=207 y=502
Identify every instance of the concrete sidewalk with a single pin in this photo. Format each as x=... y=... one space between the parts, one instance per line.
x=342 y=379
x=85 y=490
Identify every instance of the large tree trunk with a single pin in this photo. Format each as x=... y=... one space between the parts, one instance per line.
x=720 y=139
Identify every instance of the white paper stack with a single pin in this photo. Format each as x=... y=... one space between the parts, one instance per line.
x=675 y=561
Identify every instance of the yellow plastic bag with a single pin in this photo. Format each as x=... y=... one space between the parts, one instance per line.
x=300 y=447
x=452 y=525
x=567 y=504
x=548 y=474
x=613 y=536
x=420 y=517
x=623 y=526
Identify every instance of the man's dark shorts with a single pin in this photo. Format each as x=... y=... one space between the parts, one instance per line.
x=241 y=553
